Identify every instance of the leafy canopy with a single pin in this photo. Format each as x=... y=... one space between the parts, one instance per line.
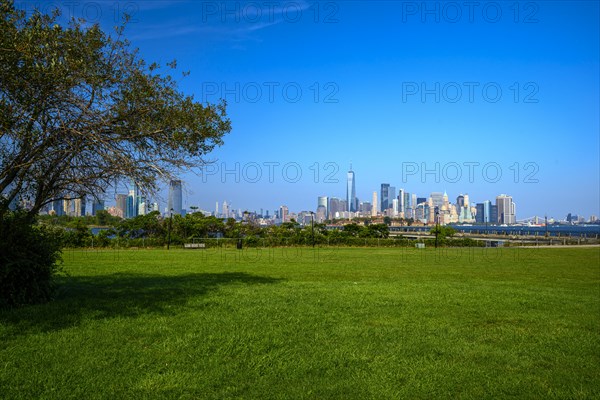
x=79 y=109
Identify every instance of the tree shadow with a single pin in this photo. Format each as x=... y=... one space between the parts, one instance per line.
x=117 y=295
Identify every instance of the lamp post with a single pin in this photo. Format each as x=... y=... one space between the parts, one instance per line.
x=437 y=227
x=169 y=229
x=312 y=226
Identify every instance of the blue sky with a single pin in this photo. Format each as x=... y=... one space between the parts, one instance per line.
x=387 y=85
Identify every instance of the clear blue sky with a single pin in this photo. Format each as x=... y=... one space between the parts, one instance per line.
x=361 y=68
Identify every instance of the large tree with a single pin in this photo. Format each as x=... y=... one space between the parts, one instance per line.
x=79 y=110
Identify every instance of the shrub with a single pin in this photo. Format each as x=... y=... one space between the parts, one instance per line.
x=29 y=257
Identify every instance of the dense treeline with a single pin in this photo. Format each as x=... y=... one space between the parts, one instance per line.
x=152 y=230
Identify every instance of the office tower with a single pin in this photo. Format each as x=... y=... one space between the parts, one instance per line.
x=57 y=207
x=130 y=209
x=460 y=201
x=175 y=202
x=493 y=213
x=351 y=192
x=321 y=214
x=283 y=213
x=506 y=209
x=68 y=206
x=79 y=205
x=334 y=207
x=395 y=207
x=216 y=208
x=97 y=205
x=391 y=196
x=385 y=197
x=438 y=199
x=365 y=207
x=121 y=207
x=374 y=207
x=421 y=200
x=480 y=214
x=343 y=205
x=225 y=210
x=324 y=201
x=401 y=201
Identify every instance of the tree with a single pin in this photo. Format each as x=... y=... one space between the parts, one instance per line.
x=80 y=109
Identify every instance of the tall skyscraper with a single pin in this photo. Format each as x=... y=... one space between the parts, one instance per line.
x=438 y=199
x=385 y=197
x=335 y=207
x=283 y=213
x=121 y=205
x=351 y=192
x=401 y=201
x=175 y=202
x=506 y=209
x=324 y=201
x=58 y=208
x=374 y=209
x=97 y=205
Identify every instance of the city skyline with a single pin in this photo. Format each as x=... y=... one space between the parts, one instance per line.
x=398 y=91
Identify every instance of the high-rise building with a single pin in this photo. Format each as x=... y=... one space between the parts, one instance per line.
x=225 y=210
x=365 y=207
x=374 y=207
x=324 y=201
x=175 y=197
x=493 y=214
x=79 y=205
x=58 y=208
x=395 y=207
x=283 y=213
x=401 y=201
x=121 y=207
x=97 y=205
x=351 y=192
x=438 y=199
x=334 y=207
x=421 y=200
x=385 y=197
x=506 y=209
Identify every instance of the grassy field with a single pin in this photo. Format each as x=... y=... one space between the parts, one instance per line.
x=311 y=324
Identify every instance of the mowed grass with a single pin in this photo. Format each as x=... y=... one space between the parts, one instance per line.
x=311 y=324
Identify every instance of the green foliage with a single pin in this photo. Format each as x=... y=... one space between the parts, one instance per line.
x=29 y=256
x=80 y=109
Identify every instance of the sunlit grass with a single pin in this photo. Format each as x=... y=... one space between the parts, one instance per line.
x=304 y=323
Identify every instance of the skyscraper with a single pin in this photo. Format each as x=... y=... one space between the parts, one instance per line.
x=121 y=205
x=335 y=207
x=97 y=205
x=175 y=202
x=374 y=209
x=351 y=192
x=438 y=199
x=283 y=213
x=385 y=197
x=401 y=201
x=324 y=201
x=506 y=209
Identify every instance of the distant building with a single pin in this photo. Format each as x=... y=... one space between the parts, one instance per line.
x=351 y=202
x=323 y=201
x=506 y=209
x=385 y=197
x=374 y=205
x=121 y=205
x=283 y=214
x=175 y=202
x=97 y=205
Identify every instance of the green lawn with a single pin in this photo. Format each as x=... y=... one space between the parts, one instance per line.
x=316 y=324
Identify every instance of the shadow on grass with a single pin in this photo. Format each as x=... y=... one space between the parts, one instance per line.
x=117 y=295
